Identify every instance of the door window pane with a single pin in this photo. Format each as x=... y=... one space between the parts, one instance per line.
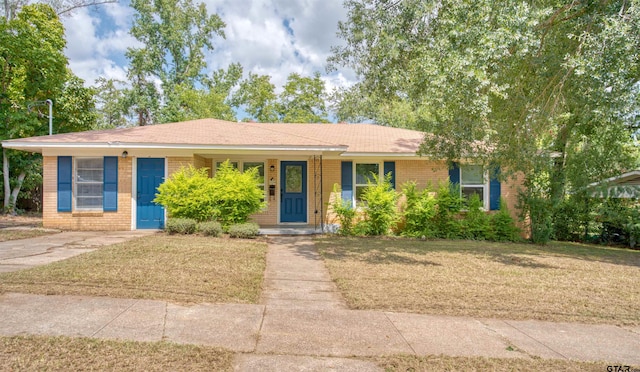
x=293 y=178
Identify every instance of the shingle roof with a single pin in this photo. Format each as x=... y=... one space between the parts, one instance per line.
x=354 y=138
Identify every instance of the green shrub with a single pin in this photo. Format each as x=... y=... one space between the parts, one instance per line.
x=503 y=226
x=180 y=226
x=419 y=211
x=188 y=193
x=344 y=212
x=449 y=203
x=236 y=195
x=476 y=222
x=380 y=205
x=248 y=230
x=210 y=228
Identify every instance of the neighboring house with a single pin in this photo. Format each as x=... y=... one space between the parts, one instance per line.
x=106 y=180
x=626 y=185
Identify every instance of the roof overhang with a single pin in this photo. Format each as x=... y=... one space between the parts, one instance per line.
x=42 y=146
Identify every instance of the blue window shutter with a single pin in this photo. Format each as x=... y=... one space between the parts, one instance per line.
x=65 y=178
x=454 y=174
x=110 y=189
x=494 y=191
x=390 y=167
x=347 y=182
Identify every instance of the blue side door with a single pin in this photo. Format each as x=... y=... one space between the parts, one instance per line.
x=293 y=191
x=150 y=174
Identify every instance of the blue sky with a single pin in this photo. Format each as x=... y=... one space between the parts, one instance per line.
x=274 y=37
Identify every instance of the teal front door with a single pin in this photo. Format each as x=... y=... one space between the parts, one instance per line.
x=150 y=174
x=293 y=191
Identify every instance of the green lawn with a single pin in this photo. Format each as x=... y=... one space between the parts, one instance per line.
x=558 y=282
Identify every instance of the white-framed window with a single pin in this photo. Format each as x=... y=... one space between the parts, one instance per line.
x=474 y=180
x=363 y=174
x=255 y=164
x=244 y=165
x=88 y=177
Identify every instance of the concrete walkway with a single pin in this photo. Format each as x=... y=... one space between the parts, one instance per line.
x=302 y=324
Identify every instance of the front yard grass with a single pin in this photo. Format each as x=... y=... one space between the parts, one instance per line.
x=40 y=353
x=185 y=269
x=14 y=234
x=559 y=282
x=451 y=363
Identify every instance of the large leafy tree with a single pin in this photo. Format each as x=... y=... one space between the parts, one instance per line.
x=549 y=85
x=302 y=100
x=33 y=68
x=175 y=35
x=110 y=103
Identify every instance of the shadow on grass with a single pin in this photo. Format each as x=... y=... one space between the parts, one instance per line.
x=518 y=254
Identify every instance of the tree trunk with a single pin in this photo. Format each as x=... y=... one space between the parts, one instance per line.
x=5 y=175
x=15 y=192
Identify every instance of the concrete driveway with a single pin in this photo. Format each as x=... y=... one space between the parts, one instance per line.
x=25 y=253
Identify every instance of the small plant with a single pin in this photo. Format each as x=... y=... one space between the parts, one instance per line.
x=344 y=212
x=503 y=227
x=180 y=226
x=380 y=205
x=419 y=211
x=449 y=203
x=210 y=228
x=476 y=221
x=248 y=230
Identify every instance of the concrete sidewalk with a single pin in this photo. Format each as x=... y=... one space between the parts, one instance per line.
x=302 y=323
x=25 y=253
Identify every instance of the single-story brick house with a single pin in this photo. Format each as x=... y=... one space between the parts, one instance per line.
x=107 y=179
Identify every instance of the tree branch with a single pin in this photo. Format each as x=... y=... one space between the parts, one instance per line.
x=84 y=5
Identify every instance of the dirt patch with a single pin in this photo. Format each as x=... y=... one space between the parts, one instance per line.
x=23 y=220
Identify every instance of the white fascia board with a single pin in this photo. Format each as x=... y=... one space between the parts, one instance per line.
x=129 y=145
x=381 y=155
x=621 y=178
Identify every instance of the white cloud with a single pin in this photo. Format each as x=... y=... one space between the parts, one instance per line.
x=272 y=37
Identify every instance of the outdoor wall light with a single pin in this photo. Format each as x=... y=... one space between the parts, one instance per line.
x=272 y=168
x=125 y=154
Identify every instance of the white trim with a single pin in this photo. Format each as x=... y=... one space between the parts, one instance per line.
x=74 y=185
x=134 y=193
x=166 y=146
x=166 y=176
x=485 y=186
x=385 y=155
x=354 y=175
x=621 y=177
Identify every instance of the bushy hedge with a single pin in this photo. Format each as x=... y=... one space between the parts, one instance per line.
x=236 y=194
x=189 y=193
x=247 y=230
x=424 y=214
x=181 y=226
x=210 y=228
x=230 y=196
x=343 y=211
x=380 y=206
